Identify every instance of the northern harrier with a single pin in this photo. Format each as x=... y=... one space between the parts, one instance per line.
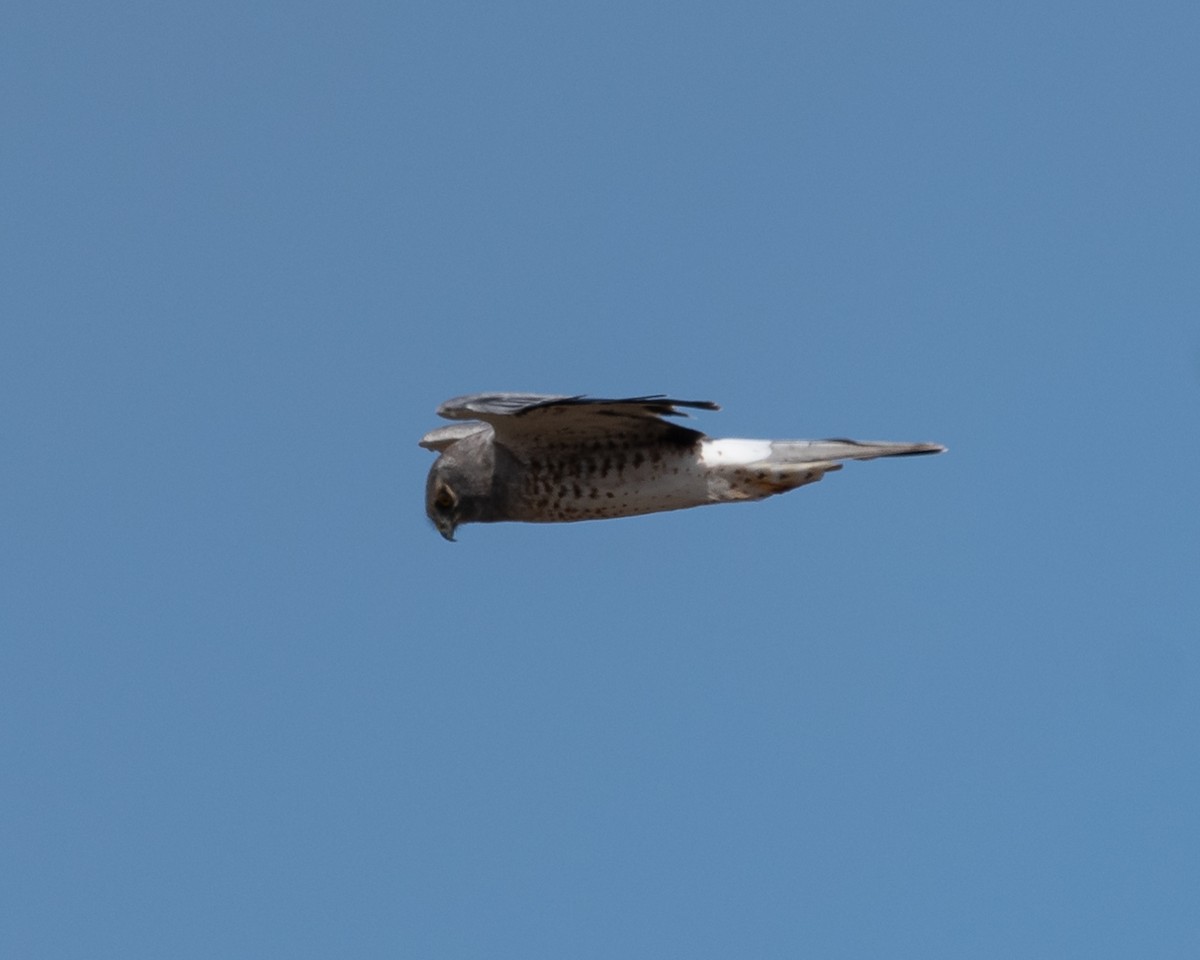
x=550 y=459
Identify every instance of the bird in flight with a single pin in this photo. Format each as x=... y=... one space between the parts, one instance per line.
x=539 y=458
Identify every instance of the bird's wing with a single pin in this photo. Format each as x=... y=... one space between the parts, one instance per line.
x=532 y=420
x=488 y=406
x=442 y=437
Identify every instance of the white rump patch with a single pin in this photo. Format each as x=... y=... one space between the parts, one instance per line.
x=734 y=453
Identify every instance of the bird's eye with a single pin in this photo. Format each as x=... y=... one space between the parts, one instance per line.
x=444 y=499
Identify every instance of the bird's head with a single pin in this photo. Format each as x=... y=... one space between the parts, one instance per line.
x=460 y=486
x=442 y=503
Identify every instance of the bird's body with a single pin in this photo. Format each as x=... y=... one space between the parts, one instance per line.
x=554 y=459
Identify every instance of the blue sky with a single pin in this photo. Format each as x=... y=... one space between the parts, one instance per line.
x=253 y=706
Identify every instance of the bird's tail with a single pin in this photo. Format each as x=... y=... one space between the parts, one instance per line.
x=752 y=469
x=809 y=451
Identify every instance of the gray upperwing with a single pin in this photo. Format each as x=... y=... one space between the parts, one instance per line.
x=526 y=422
x=442 y=437
x=488 y=406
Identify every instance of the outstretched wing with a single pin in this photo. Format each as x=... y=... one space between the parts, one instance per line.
x=488 y=406
x=533 y=421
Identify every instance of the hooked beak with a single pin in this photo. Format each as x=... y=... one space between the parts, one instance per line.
x=446 y=529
